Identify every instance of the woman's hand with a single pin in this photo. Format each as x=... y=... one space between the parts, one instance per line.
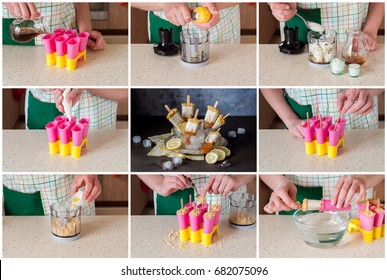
x=221 y=184
x=92 y=187
x=177 y=13
x=345 y=189
x=173 y=183
x=25 y=10
x=73 y=96
x=356 y=101
x=281 y=10
x=283 y=197
x=214 y=20
x=295 y=128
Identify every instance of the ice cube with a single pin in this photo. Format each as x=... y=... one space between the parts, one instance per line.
x=147 y=143
x=241 y=130
x=223 y=142
x=177 y=161
x=136 y=139
x=168 y=165
x=232 y=134
x=196 y=141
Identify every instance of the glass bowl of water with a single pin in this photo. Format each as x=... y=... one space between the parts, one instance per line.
x=321 y=229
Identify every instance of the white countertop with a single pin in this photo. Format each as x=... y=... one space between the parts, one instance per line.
x=26 y=66
x=101 y=237
x=149 y=240
x=229 y=65
x=278 y=238
x=27 y=151
x=283 y=70
x=363 y=151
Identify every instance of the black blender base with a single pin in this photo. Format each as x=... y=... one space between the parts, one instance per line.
x=166 y=46
x=291 y=45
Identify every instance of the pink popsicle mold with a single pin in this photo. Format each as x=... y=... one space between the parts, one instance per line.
x=86 y=123
x=366 y=222
x=334 y=134
x=59 y=31
x=52 y=131
x=327 y=206
x=342 y=122
x=83 y=37
x=49 y=43
x=71 y=33
x=72 y=48
x=208 y=224
x=183 y=220
x=189 y=206
x=360 y=207
x=64 y=133
x=77 y=134
x=321 y=132
x=309 y=131
x=195 y=222
x=328 y=120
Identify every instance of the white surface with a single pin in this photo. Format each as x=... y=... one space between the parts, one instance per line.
x=278 y=238
x=363 y=151
x=278 y=69
x=148 y=240
x=26 y=66
x=27 y=151
x=100 y=237
x=228 y=65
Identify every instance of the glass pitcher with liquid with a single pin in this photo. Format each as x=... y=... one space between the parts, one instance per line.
x=23 y=31
x=356 y=47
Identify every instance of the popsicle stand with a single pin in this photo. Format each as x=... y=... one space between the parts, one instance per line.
x=196 y=225
x=67 y=137
x=64 y=48
x=323 y=137
x=370 y=221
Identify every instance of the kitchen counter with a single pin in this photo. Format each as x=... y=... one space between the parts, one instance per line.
x=101 y=237
x=229 y=65
x=243 y=148
x=278 y=69
x=25 y=66
x=149 y=240
x=27 y=151
x=279 y=151
x=278 y=238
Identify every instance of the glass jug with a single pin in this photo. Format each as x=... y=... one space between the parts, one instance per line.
x=23 y=31
x=356 y=47
x=65 y=221
x=195 y=47
x=242 y=211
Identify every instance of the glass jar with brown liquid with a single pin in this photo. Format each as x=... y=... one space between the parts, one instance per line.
x=23 y=31
x=356 y=47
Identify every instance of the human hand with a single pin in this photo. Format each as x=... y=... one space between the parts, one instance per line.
x=173 y=183
x=214 y=20
x=96 y=41
x=92 y=187
x=283 y=197
x=281 y=10
x=221 y=184
x=295 y=128
x=177 y=13
x=356 y=101
x=26 y=10
x=73 y=96
x=372 y=43
x=345 y=189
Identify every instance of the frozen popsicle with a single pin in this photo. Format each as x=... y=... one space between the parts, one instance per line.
x=66 y=104
x=174 y=116
x=211 y=115
x=221 y=120
x=321 y=205
x=367 y=218
x=187 y=109
x=210 y=140
x=191 y=127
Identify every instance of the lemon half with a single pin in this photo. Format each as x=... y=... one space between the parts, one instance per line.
x=203 y=14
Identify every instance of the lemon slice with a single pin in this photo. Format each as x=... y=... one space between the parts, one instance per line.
x=224 y=149
x=174 y=144
x=211 y=158
x=181 y=127
x=221 y=154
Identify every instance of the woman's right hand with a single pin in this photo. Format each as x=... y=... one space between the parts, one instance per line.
x=173 y=183
x=295 y=128
x=26 y=10
x=177 y=13
x=281 y=10
x=283 y=197
x=73 y=96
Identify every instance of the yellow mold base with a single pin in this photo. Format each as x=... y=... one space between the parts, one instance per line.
x=63 y=61
x=67 y=149
x=197 y=236
x=323 y=149
x=368 y=235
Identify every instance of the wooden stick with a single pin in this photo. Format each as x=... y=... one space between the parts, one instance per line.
x=216 y=103
x=338 y=119
x=182 y=204
x=226 y=116
x=326 y=112
x=168 y=109
x=196 y=114
x=218 y=130
x=307 y=118
x=374 y=195
x=188 y=99
x=190 y=200
x=209 y=207
x=367 y=206
x=378 y=204
x=320 y=122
